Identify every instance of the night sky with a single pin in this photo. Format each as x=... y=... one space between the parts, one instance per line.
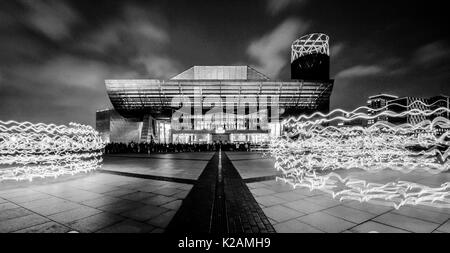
x=55 y=55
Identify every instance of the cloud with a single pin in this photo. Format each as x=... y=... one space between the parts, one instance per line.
x=136 y=29
x=61 y=79
x=432 y=53
x=53 y=18
x=271 y=51
x=71 y=71
x=160 y=67
x=336 y=49
x=65 y=72
x=276 y=6
x=137 y=39
x=62 y=89
x=360 y=71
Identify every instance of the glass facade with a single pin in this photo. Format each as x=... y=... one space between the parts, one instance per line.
x=163 y=132
x=115 y=128
x=252 y=138
x=376 y=103
x=135 y=98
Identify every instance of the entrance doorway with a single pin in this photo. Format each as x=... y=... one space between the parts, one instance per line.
x=221 y=138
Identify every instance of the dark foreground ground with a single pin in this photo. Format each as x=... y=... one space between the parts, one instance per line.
x=190 y=192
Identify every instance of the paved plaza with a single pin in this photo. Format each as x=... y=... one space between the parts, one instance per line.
x=200 y=192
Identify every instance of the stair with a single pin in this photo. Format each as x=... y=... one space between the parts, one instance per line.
x=145 y=129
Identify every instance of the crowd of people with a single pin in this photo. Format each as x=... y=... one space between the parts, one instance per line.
x=150 y=148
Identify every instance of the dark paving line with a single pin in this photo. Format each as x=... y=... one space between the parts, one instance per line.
x=249 y=159
x=195 y=214
x=219 y=221
x=160 y=178
x=259 y=179
x=181 y=159
x=239 y=153
x=152 y=157
x=244 y=215
x=440 y=225
x=220 y=202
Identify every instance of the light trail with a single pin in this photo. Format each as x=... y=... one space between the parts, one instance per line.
x=313 y=154
x=29 y=151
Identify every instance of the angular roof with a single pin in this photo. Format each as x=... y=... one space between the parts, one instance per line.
x=383 y=95
x=220 y=73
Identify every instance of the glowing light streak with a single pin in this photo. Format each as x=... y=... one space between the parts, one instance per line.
x=29 y=151
x=317 y=156
x=361 y=113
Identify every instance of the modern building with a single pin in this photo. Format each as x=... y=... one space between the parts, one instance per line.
x=377 y=102
x=421 y=103
x=402 y=104
x=246 y=105
x=310 y=57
